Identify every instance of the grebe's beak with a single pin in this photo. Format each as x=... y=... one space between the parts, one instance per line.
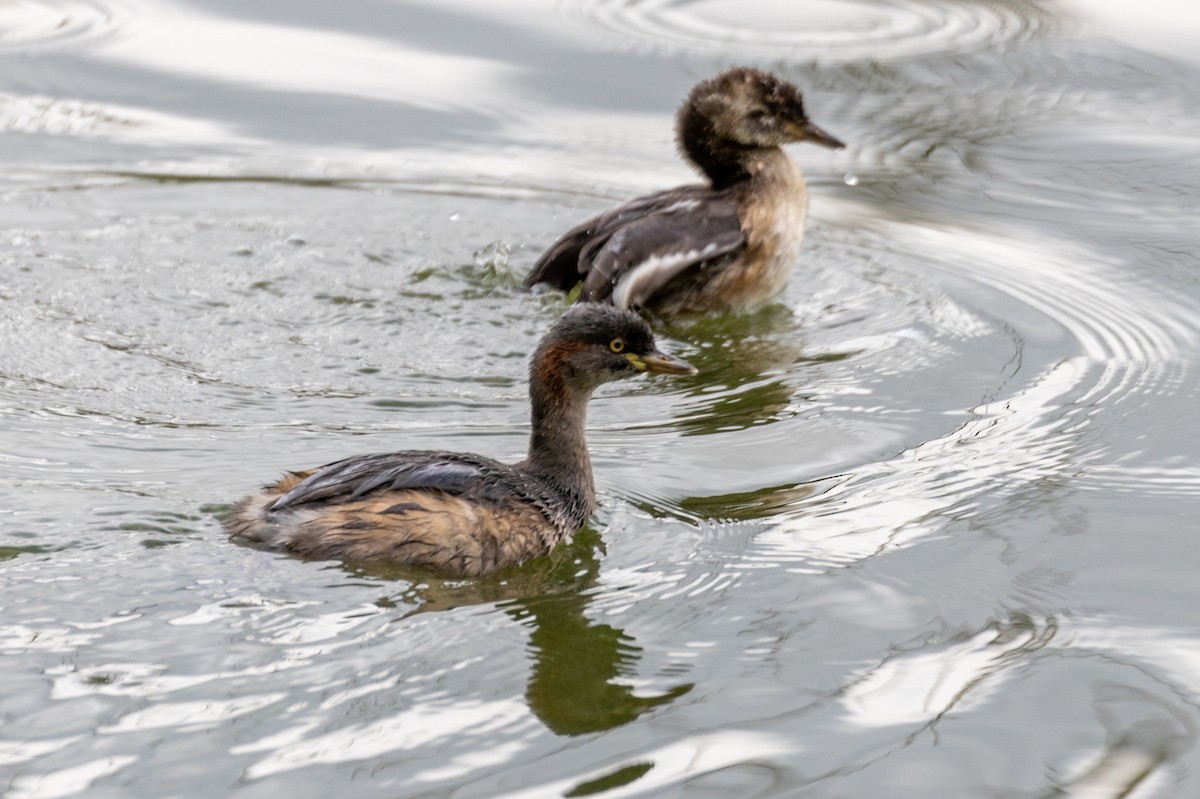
x=817 y=136
x=656 y=361
x=807 y=131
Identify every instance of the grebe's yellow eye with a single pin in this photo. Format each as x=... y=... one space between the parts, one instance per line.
x=617 y=344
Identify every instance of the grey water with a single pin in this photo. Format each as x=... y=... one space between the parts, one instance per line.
x=925 y=526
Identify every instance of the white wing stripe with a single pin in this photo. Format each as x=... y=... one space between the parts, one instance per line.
x=656 y=271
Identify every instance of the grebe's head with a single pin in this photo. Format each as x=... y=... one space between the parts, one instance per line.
x=751 y=108
x=593 y=344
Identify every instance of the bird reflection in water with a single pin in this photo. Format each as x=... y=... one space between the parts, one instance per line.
x=574 y=684
x=754 y=368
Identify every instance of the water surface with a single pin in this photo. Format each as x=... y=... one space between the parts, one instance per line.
x=925 y=526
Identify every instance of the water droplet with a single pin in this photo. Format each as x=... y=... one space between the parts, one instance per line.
x=455 y=217
x=851 y=179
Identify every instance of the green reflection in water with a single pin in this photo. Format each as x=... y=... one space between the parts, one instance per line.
x=10 y=552
x=573 y=687
x=747 y=369
x=573 y=683
x=748 y=505
x=622 y=776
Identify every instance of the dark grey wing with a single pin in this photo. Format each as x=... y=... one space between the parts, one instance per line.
x=354 y=477
x=559 y=265
x=562 y=267
x=642 y=258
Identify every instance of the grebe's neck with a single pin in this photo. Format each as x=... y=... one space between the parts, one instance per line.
x=720 y=159
x=558 y=455
x=726 y=163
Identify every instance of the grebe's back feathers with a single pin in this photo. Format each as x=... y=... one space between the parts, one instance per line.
x=638 y=262
x=631 y=253
x=561 y=267
x=455 y=473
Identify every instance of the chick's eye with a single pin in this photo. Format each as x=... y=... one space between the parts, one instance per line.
x=617 y=344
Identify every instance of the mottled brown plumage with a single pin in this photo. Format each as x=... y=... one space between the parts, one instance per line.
x=726 y=245
x=457 y=513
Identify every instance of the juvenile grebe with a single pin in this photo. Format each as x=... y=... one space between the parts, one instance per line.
x=725 y=246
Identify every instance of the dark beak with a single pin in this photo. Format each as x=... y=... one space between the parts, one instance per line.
x=661 y=362
x=817 y=136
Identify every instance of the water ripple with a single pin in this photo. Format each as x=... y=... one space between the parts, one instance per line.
x=916 y=687
x=417 y=727
x=675 y=764
x=27 y=25
x=831 y=31
x=1125 y=344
